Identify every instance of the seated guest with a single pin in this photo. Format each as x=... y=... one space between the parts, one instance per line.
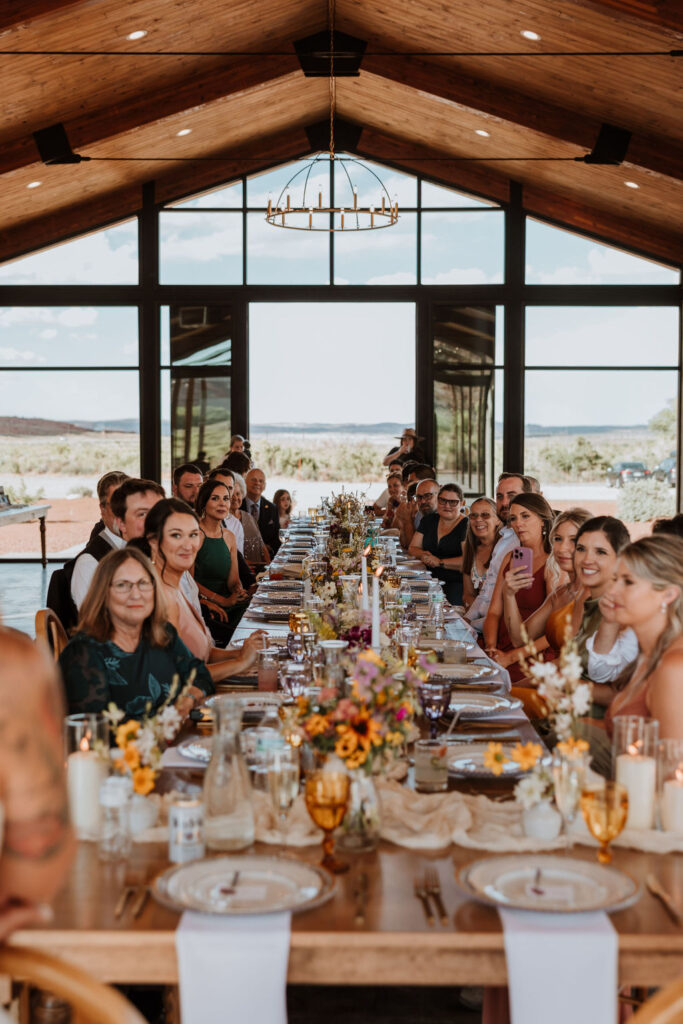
x=187 y=479
x=426 y=494
x=408 y=451
x=37 y=844
x=255 y=551
x=396 y=496
x=173 y=534
x=380 y=505
x=238 y=462
x=130 y=504
x=672 y=526
x=647 y=596
x=483 y=531
x=101 y=542
x=231 y=522
x=421 y=471
x=531 y=518
x=237 y=442
x=263 y=511
x=215 y=568
x=404 y=519
x=283 y=503
x=125 y=650
x=508 y=485
x=535 y=484
x=439 y=540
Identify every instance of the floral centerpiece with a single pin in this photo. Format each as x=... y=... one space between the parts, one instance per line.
x=142 y=741
x=341 y=622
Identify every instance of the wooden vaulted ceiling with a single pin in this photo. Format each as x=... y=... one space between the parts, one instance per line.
x=419 y=111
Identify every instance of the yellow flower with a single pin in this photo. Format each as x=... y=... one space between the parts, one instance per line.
x=526 y=755
x=356 y=759
x=346 y=744
x=126 y=732
x=143 y=780
x=494 y=758
x=372 y=657
x=572 y=747
x=316 y=725
x=395 y=739
x=131 y=756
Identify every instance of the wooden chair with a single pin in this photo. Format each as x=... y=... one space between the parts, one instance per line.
x=666 y=1007
x=50 y=631
x=91 y=1001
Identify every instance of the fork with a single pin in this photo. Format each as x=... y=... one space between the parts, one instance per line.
x=421 y=894
x=432 y=886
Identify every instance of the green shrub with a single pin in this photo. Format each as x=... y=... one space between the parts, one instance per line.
x=646 y=500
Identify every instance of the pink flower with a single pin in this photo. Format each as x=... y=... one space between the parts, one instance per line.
x=328 y=693
x=401 y=714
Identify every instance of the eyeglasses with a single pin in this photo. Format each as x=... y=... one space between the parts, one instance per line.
x=449 y=504
x=125 y=586
x=427 y=496
x=480 y=515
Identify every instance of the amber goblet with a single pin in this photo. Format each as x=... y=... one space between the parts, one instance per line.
x=327 y=796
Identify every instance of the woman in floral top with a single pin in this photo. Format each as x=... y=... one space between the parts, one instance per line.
x=125 y=650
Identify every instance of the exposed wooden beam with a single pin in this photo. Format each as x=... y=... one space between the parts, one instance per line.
x=479 y=95
x=244 y=74
x=664 y=13
x=14 y=13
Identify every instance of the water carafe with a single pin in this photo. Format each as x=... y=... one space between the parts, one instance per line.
x=228 y=809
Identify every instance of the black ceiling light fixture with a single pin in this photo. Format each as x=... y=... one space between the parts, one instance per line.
x=54 y=146
x=314 y=54
x=610 y=146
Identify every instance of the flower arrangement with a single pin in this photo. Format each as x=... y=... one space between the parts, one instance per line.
x=142 y=741
x=339 y=622
x=367 y=727
x=566 y=695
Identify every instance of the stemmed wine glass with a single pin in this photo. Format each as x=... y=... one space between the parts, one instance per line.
x=283 y=782
x=435 y=699
x=605 y=809
x=568 y=771
x=327 y=796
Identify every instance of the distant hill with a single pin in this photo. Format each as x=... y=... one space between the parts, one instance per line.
x=19 y=426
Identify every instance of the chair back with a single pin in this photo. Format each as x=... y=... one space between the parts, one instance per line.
x=665 y=1007
x=50 y=631
x=93 y=1002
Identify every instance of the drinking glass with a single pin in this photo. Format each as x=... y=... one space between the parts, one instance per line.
x=431 y=766
x=268 y=667
x=435 y=698
x=295 y=678
x=569 y=771
x=282 y=534
x=605 y=809
x=327 y=796
x=283 y=783
x=408 y=639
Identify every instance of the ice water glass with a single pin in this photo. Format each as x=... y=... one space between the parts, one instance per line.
x=283 y=782
x=435 y=699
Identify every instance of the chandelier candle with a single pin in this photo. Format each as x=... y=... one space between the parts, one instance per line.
x=364 y=603
x=374 y=642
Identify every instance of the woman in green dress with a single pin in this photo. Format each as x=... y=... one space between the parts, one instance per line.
x=216 y=572
x=125 y=650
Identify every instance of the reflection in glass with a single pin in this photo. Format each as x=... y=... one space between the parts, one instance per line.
x=601 y=336
x=200 y=248
x=385 y=256
x=68 y=336
x=463 y=248
x=463 y=339
x=554 y=256
x=109 y=256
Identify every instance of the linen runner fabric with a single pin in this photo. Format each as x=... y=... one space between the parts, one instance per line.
x=561 y=967
x=233 y=968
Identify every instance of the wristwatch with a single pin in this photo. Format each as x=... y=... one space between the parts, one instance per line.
x=441 y=563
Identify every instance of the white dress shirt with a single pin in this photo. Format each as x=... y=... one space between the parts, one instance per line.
x=478 y=610
x=233 y=524
x=604 y=668
x=85 y=566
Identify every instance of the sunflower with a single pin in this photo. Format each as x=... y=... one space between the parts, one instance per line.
x=143 y=780
x=126 y=732
x=357 y=759
x=346 y=744
x=572 y=747
x=526 y=755
x=366 y=730
x=131 y=755
x=495 y=759
x=316 y=725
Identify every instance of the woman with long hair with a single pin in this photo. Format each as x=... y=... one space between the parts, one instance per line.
x=438 y=542
x=215 y=570
x=282 y=500
x=483 y=531
x=173 y=534
x=125 y=650
x=647 y=594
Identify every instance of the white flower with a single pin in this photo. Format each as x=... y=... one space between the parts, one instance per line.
x=169 y=721
x=114 y=714
x=530 y=790
x=581 y=700
x=146 y=741
x=563 y=725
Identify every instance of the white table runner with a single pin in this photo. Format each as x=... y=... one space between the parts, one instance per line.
x=233 y=968
x=561 y=967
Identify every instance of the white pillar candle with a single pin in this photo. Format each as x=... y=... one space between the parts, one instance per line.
x=672 y=806
x=638 y=774
x=375 y=614
x=364 y=597
x=85 y=772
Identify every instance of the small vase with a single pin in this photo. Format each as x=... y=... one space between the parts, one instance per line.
x=359 y=831
x=143 y=812
x=542 y=821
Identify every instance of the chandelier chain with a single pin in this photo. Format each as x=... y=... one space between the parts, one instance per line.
x=333 y=84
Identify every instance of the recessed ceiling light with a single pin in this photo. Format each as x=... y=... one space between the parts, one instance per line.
x=480 y=131
x=34 y=184
x=140 y=34
x=184 y=131
x=528 y=34
x=631 y=184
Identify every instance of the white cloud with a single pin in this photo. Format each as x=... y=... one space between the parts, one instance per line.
x=77 y=316
x=15 y=355
x=462 y=275
x=199 y=240
x=48 y=333
x=400 y=277
x=106 y=257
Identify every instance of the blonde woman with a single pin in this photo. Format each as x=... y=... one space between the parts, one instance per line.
x=483 y=531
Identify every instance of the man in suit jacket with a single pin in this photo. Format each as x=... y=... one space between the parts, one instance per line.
x=263 y=511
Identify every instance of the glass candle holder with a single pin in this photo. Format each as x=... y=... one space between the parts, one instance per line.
x=634 y=759
x=670 y=785
x=431 y=766
x=86 y=746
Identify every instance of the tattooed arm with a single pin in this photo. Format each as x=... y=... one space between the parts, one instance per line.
x=37 y=844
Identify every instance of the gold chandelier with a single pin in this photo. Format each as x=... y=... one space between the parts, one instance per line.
x=309 y=213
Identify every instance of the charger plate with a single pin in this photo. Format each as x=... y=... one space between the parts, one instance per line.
x=467 y=761
x=566 y=885
x=271 y=613
x=460 y=673
x=265 y=885
x=281 y=585
x=480 y=705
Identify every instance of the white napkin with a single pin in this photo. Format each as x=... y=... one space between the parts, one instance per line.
x=561 y=967
x=233 y=968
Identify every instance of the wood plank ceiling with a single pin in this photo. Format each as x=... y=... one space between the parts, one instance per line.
x=422 y=95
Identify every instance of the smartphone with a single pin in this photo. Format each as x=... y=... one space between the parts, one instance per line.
x=523 y=558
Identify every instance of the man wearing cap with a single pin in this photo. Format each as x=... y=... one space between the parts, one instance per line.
x=409 y=450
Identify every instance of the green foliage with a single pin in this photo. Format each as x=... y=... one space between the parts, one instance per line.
x=664 y=422
x=646 y=500
x=81 y=492
x=580 y=461
x=322 y=460
x=21 y=496
x=82 y=454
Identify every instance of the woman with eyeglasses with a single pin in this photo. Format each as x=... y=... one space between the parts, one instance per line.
x=125 y=650
x=483 y=531
x=438 y=541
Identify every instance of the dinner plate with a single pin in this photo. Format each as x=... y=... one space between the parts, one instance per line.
x=411 y=574
x=271 y=613
x=480 y=705
x=251 y=702
x=462 y=673
x=264 y=885
x=467 y=761
x=196 y=748
x=564 y=885
x=281 y=597
x=281 y=585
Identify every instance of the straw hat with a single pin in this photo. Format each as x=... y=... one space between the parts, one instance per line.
x=409 y=432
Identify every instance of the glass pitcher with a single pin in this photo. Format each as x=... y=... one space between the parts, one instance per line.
x=228 y=809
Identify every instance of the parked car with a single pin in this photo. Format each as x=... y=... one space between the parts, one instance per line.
x=626 y=473
x=666 y=471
